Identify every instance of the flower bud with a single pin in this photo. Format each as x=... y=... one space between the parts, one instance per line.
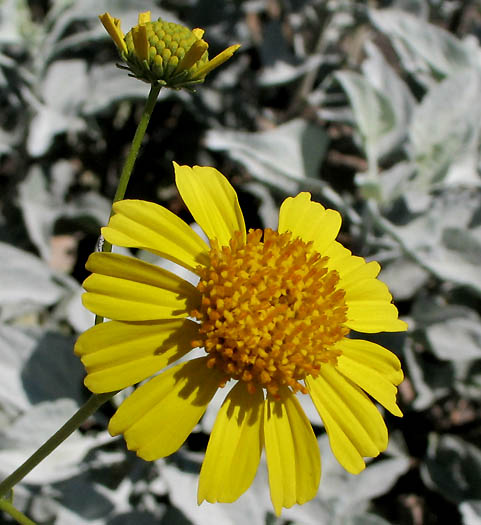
x=164 y=53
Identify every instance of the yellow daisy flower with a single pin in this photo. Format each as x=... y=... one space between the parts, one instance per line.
x=272 y=309
x=164 y=53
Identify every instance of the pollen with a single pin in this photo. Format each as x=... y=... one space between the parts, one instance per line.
x=271 y=311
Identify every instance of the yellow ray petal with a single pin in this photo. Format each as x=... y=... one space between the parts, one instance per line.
x=144 y=17
x=127 y=301
x=366 y=290
x=359 y=272
x=198 y=48
x=211 y=200
x=373 y=316
x=127 y=289
x=342 y=260
x=112 y=25
x=309 y=221
x=215 y=62
x=370 y=380
x=373 y=355
x=198 y=32
x=141 y=43
x=292 y=452
x=234 y=448
x=353 y=424
x=157 y=418
x=117 y=355
x=141 y=224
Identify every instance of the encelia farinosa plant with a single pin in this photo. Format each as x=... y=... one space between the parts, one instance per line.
x=272 y=311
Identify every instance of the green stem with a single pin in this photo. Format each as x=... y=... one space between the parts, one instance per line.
x=134 y=149
x=131 y=158
x=18 y=516
x=86 y=410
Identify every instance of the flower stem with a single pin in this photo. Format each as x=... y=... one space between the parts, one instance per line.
x=134 y=148
x=86 y=410
x=131 y=158
x=18 y=516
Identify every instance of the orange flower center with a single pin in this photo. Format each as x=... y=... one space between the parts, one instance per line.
x=271 y=312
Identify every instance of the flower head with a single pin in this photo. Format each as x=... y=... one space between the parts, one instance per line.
x=163 y=52
x=273 y=311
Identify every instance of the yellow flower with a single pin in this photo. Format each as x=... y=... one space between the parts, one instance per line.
x=271 y=309
x=164 y=53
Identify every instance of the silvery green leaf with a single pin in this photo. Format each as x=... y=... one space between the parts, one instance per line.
x=61 y=514
x=403 y=276
x=109 y=85
x=53 y=371
x=382 y=77
x=312 y=512
x=452 y=333
x=444 y=138
x=42 y=205
x=431 y=310
x=341 y=495
x=282 y=157
x=309 y=409
x=60 y=41
x=97 y=503
x=76 y=314
x=373 y=113
x=43 y=509
x=16 y=347
x=268 y=209
x=208 y=419
x=39 y=210
x=251 y=507
x=471 y=512
x=456 y=261
x=377 y=479
x=464 y=240
x=394 y=183
x=282 y=72
x=60 y=502
x=470 y=384
x=11 y=135
x=278 y=62
x=453 y=468
x=32 y=429
x=431 y=380
x=364 y=519
x=14 y=19
x=442 y=240
x=26 y=280
x=456 y=338
x=66 y=14
x=170 y=516
x=417 y=8
x=60 y=106
x=425 y=50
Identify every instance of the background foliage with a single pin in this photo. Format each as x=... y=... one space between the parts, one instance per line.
x=374 y=107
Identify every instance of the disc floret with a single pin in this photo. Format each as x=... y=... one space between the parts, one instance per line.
x=271 y=311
